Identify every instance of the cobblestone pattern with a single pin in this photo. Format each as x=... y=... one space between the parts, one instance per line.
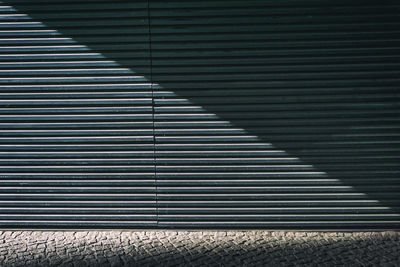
x=195 y=248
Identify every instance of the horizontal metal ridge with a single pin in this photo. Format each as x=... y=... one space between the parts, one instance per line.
x=199 y=114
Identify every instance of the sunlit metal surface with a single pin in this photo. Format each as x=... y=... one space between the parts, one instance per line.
x=212 y=114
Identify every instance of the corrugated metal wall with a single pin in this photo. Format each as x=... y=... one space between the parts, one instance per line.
x=221 y=114
x=76 y=141
x=276 y=113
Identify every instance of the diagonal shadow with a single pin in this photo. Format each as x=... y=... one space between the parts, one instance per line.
x=319 y=81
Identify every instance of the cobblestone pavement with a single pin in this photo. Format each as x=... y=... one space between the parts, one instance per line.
x=198 y=248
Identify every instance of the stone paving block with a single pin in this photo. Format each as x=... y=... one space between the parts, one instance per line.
x=195 y=248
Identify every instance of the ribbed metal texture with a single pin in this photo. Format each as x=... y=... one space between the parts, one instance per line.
x=76 y=144
x=199 y=114
x=277 y=114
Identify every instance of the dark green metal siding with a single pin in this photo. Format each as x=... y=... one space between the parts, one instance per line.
x=200 y=114
x=276 y=113
x=76 y=142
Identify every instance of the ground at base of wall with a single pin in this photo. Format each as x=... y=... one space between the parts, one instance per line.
x=198 y=248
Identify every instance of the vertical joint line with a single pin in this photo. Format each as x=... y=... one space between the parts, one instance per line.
x=152 y=110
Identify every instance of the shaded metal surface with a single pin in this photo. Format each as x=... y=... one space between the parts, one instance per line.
x=76 y=140
x=203 y=114
x=276 y=114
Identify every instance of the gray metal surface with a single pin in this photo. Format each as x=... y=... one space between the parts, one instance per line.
x=276 y=114
x=76 y=140
x=199 y=114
